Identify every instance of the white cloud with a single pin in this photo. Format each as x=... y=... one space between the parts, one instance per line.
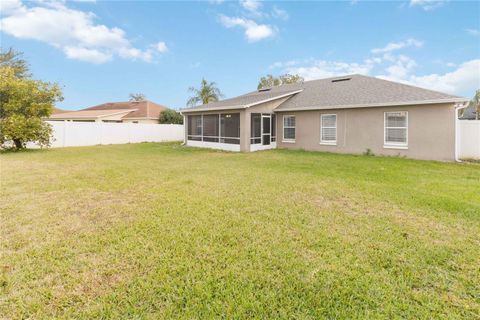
x=253 y=31
x=251 y=5
x=427 y=5
x=161 y=47
x=393 y=46
x=72 y=31
x=324 y=69
x=279 y=13
x=9 y=6
x=464 y=79
x=89 y=55
x=474 y=32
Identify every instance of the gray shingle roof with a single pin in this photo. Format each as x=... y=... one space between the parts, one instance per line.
x=244 y=100
x=357 y=91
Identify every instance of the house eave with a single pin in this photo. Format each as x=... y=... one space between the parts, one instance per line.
x=374 y=105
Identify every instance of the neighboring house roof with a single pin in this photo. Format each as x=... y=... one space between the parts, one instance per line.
x=58 y=110
x=470 y=113
x=141 y=109
x=90 y=114
x=351 y=91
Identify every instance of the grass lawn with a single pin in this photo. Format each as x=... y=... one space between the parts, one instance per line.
x=163 y=231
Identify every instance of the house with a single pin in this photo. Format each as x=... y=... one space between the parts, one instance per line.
x=348 y=114
x=129 y=111
x=58 y=110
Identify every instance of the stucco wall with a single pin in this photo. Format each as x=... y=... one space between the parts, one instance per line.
x=431 y=131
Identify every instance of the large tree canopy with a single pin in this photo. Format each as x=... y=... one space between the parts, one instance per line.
x=24 y=103
x=14 y=60
x=271 y=81
x=170 y=116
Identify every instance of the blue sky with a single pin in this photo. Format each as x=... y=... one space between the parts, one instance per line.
x=101 y=51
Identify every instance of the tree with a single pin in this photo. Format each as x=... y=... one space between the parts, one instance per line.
x=24 y=103
x=291 y=78
x=270 y=81
x=14 y=60
x=170 y=116
x=475 y=104
x=207 y=93
x=136 y=97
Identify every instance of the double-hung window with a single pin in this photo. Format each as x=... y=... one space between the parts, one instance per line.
x=396 y=129
x=328 y=129
x=288 y=128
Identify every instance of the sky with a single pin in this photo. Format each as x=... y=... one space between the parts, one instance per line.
x=101 y=51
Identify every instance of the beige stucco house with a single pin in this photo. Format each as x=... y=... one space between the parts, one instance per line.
x=349 y=114
x=126 y=112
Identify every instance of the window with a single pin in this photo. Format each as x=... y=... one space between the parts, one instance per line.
x=289 y=128
x=328 y=129
x=255 y=128
x=396 y=129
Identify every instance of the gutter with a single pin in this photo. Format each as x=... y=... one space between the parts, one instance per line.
x=371 y=105
x=458 y=106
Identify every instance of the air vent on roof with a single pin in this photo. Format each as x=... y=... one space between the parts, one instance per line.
x=264 y=89
x=341 y=79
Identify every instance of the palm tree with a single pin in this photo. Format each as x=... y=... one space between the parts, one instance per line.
x=207 y=93
x=475 y=104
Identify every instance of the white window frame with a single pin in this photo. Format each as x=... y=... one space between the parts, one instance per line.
x=283 y=128
x=328 y=142
x=395 y=145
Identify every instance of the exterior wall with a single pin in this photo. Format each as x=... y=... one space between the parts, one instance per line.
x=431 y=131
x=266 y=107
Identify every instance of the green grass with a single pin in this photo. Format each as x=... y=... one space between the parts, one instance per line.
x=163 y=231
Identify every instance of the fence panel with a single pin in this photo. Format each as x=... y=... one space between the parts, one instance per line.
x=72 y=134
x=469 y=146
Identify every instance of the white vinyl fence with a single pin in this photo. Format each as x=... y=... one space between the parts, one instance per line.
x=72 y=134
x=469 y=144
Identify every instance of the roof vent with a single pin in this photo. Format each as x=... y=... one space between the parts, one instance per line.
x=264 y=89
x=341 y=79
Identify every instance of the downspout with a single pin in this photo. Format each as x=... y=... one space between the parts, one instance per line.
x=184 y=128
x=458 y=106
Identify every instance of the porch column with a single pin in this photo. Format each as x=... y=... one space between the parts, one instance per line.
x=244 y=131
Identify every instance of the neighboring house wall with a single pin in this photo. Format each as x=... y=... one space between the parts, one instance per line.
x=431 y=131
